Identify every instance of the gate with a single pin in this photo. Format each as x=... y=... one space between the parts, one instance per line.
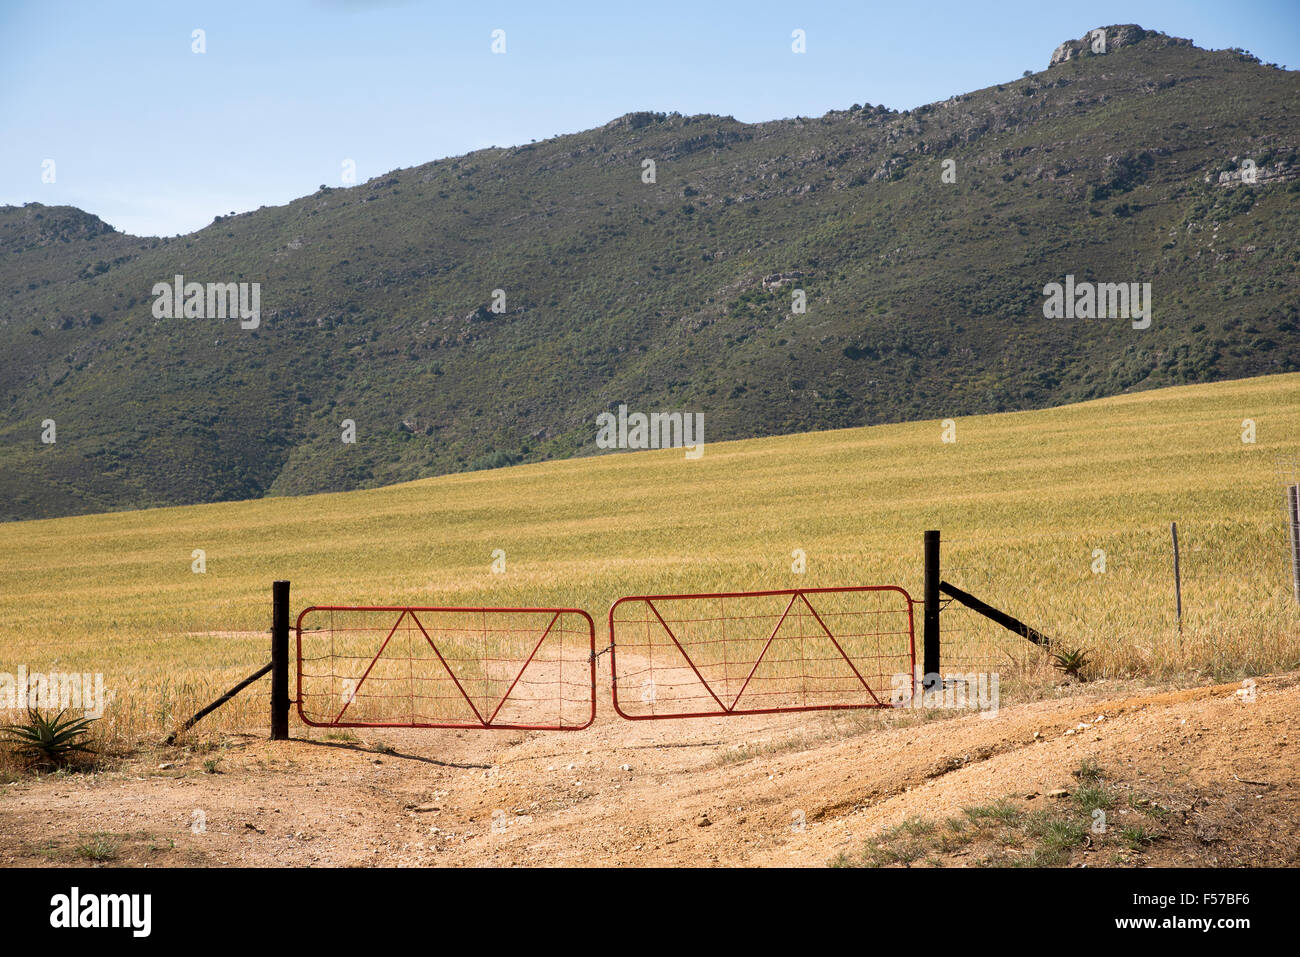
x=410 y=667
x=761 y=652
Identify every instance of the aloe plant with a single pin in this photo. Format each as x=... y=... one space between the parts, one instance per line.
x=1071 y=661
x=50 y=740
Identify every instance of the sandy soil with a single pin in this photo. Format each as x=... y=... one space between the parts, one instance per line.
x=793 y=789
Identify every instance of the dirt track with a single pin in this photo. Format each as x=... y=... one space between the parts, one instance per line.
x=697 y=792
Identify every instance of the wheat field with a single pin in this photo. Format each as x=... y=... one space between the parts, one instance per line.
x=1027 y=503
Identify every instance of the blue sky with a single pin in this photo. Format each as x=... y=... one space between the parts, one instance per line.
x=157 y=139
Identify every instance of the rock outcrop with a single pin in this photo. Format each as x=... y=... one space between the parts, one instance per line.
x=1105 y=40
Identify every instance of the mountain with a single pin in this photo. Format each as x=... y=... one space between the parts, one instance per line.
x=1153 y=162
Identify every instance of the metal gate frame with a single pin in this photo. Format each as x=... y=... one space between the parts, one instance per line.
x=488 y=724
x=794 y=593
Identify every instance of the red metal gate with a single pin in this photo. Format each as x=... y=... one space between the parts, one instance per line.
x=407 y=667
x=727 y=653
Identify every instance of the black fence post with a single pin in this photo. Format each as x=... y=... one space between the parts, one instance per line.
x=930 y=616
x=1001 y=617
x=280 y=662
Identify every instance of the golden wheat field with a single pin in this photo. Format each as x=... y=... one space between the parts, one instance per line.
x=1027 y=504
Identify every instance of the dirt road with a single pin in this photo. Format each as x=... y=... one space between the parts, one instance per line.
x=1222 y=763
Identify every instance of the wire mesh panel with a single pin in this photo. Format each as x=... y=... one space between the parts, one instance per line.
x=394 y=666
x=684 y=656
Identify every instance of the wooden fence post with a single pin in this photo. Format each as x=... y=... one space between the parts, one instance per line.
x=1293 y=512
x=1178 y=579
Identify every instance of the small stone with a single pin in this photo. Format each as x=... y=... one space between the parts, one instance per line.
x=703 y=821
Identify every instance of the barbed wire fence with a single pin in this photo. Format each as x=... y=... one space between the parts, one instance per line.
x=970 y=642
x=1288 y=474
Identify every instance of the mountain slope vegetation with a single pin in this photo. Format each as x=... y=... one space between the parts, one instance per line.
x=1156 y=162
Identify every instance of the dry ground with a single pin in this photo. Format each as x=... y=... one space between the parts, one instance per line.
x=1221 y=771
